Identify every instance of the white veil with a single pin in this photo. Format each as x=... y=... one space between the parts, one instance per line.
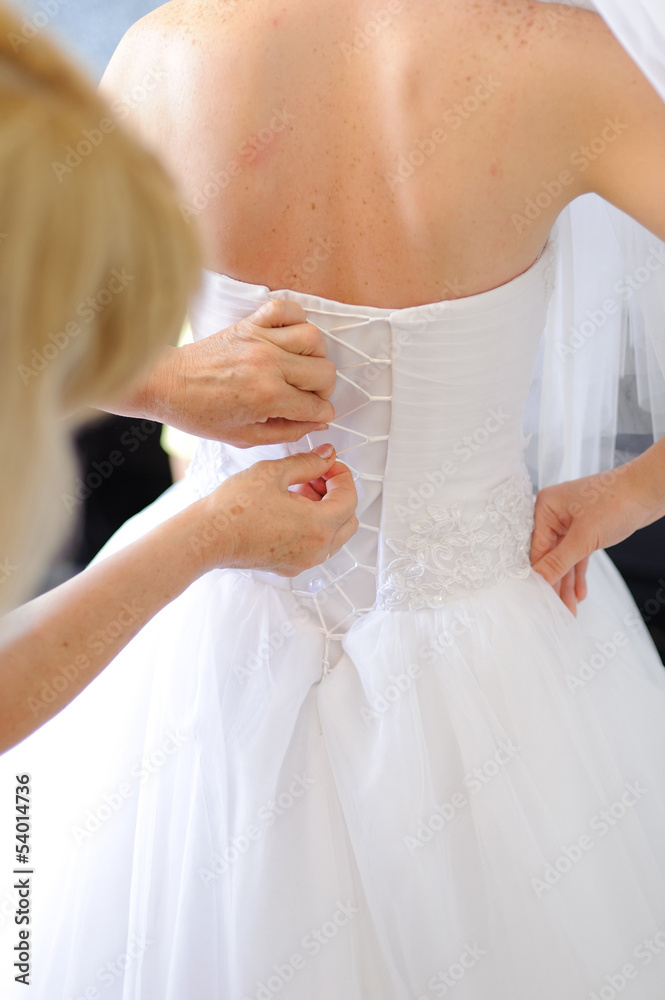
x=599 y=389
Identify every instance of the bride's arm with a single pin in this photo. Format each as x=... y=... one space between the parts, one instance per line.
x=575 y=519
x=629 y=172
x=53 y=647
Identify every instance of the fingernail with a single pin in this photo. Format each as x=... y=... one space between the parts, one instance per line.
x=321 y=427
x=324 y=450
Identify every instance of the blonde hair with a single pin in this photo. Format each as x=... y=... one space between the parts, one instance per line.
x=97 y=266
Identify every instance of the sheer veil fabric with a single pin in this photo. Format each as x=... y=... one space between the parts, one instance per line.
x=599 y=378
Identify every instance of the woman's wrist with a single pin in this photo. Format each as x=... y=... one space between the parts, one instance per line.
x=144 y=400
x=645 y=481
x=200 y=535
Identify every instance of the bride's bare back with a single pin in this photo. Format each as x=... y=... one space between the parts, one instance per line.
x=389 y=153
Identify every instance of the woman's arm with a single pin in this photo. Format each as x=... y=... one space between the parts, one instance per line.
x=575 y=519
x=52 y=648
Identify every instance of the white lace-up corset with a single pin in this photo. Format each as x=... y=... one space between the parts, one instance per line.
x=428 y=408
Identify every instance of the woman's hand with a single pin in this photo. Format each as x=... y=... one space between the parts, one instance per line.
x=575 y=519
x=254 y=521
x=264 y=380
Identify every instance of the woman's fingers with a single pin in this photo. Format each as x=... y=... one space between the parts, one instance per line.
x=567 y=592
x=580 y=579
x=343 y=534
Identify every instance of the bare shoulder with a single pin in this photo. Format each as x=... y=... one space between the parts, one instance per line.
x=618 y=115
x=166 y=36
x=160 y=59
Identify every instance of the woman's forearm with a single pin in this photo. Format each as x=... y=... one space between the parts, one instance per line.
x=647 y=473
x=53 y=647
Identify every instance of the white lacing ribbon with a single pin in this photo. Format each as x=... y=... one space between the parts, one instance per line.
x=337 y=631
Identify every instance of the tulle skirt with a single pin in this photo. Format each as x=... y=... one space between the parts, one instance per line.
x=470 y=804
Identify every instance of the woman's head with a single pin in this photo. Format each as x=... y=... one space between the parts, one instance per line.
x=96 y=270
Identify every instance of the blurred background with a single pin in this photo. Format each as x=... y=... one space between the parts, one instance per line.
x=90 y=30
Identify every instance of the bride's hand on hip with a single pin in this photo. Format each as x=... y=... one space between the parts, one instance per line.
x=264 y=380
x=255 y=521
x=576 y=518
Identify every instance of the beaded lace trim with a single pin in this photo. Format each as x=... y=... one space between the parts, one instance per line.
x=452 y=549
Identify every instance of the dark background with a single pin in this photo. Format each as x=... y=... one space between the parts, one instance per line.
x=90 y=30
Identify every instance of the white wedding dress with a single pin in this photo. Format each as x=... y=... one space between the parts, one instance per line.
x=406 y=774
x=410 y=773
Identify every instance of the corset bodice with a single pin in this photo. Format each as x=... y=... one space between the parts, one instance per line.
x=428 y=415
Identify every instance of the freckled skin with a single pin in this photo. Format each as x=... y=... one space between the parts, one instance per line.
x=360 y=106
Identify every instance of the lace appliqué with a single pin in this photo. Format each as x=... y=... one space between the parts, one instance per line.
x=208 y=468
x=450 y=549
